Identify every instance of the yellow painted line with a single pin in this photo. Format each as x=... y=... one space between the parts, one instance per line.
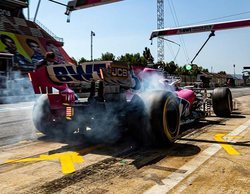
x=66 y=159
x=175 y=178
x=67 y=163
x=228 y=148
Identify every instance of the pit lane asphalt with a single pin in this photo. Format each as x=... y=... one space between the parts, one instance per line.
x=16 y=123
x=16 y=120
x=146 y=168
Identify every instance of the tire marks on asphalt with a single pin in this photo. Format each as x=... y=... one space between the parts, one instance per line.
x=15 y=122
x=173 y=179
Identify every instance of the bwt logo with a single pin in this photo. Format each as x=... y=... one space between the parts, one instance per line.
x=119 y=72
x=71 y=73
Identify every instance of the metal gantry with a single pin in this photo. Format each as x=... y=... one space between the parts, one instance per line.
x=160 y=25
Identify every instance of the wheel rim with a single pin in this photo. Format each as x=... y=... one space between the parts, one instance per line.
x=170 y=119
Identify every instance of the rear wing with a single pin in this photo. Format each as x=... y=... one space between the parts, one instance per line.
x=42 y=84
x=200 y=28
x=57 y=76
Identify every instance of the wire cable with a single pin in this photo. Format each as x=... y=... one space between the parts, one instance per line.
x=223 y=17
x=171 y=49
x=174 y=15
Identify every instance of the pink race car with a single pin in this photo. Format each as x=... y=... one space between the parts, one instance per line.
x=121 y=99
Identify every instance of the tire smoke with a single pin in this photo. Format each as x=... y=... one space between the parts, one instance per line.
x=16 y=89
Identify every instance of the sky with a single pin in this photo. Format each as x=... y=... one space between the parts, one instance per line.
x=125 y=27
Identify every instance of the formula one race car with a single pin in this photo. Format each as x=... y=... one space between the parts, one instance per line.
x=121 y=99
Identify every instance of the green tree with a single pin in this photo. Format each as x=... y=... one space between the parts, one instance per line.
x=196 y=70
x=148 y=56
x=108 y=57
x=74 y=60
x=133 y=59
x=179 y=71
x=205 y=70
x=170 y=67
x=222 y=73
x=82 y=60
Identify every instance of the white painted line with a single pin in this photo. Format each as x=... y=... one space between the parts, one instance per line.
x=173 y=179
x=239 y=129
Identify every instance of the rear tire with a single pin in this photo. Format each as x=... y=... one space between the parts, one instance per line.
x=156 y=120
x=45 y=121
x=165 y=117
x=222 y=102
x=139 y=121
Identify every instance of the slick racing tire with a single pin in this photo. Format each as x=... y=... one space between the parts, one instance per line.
x=44 y=120
x=139 y=122
x=165 y=117
x=222 y=102
x=159 y=122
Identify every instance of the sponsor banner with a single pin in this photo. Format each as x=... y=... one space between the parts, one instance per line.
x=85 y=72
x=33 y=47
x=29 y=50
x=119 y=71
x=9 y=43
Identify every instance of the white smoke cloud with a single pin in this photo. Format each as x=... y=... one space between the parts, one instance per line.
x=17 y=89
x=155 y=80
x=103 y=125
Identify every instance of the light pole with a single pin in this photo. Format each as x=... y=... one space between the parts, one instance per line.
x=91 y=44
x=234 y=71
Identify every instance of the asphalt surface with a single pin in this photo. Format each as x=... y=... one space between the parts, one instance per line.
x=210 y=157
x=16 y=120
x=16 y=123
